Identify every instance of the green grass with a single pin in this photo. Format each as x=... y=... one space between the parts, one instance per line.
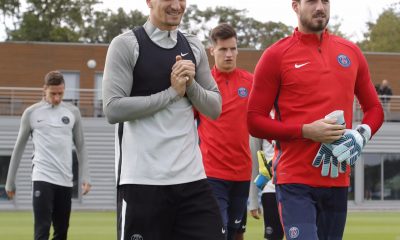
x=101 y=226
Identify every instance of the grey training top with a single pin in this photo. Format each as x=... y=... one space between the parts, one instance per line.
x=160 y=142
x=53 y=130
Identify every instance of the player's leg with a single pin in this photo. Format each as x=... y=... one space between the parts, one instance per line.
x=145 y=212
x=272 y=223
x=242 y=229
x=238 y=195
x=332 y=212
x=220 y=189
x=297 y=206
x=42 y=201
x=61 y=212
x=198 y=216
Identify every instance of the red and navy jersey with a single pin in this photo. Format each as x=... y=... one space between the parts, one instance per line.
x=303 y=78
x=224 y=142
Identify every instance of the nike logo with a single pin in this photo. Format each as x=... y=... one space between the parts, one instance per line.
x=223 y=231
x=237 y=221
x=301 y=65
x=41 y=120
x=184 y=54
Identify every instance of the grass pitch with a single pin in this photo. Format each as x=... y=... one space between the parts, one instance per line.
x=102 y=226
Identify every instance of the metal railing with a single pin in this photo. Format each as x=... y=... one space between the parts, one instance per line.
x=14 y=100
x=391 y=108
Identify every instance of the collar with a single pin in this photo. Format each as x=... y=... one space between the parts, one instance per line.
x=311 y=37
x=157 y=35
x=218 y=73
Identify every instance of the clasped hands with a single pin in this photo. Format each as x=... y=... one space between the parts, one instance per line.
x=182 y=75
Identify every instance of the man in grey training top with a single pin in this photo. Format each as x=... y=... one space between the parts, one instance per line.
x=54 y=126
x=154 y=75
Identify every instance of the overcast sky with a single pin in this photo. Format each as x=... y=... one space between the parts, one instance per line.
x=353 y=13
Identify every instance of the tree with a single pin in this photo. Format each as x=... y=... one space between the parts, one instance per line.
x=9 y=9
x=384 y=35
x=251 y=33
x=55 y=21
x=104 y=26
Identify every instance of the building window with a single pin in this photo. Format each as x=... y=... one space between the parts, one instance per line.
x=372 y=176
x=75 y=178
x=391 y=177
x=71 y=86
x=4 y=164
x=351 y=187
x=98 y=102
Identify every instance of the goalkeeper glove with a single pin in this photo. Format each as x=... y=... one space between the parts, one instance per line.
x=325 y=156
x=329 y=161
x=264 y=169
x=349 y=147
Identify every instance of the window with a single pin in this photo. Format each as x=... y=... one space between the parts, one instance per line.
x=4 y=164
x=75 y=178
x=372 y=176
x=391 y=176
x=71 y=86
x=98 y=103
x=351 y=187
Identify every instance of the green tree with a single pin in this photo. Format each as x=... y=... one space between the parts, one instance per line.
x=104 y=26
x=384 y=35
x=9 y=9
x=55 y=21
x=251 y=33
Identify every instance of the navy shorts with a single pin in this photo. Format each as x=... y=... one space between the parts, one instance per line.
x=232 y=200
x=312 y=213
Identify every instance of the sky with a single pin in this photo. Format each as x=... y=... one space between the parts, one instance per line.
x=353 y=14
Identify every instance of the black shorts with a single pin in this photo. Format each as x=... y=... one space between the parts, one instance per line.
x=272 y=223
x=171 y=212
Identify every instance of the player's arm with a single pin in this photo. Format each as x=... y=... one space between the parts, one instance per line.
x=118 y=105
x=255 y=145
x=81 y=152
x=22 y=139
x=262 y=97
x=203 y=92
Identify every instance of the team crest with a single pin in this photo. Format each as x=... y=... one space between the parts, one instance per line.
x=343 y=60
x=136 y=237
x=242 y=92
x=65 y=119
x=294 y=232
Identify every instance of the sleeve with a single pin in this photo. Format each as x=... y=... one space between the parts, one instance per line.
x=367 y=97
x=262 y=97
x=203 y=92
x=255 y=145
x=80 y=147
x=22 y=139
x=118 y=105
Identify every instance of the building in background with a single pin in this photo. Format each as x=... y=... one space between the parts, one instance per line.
x=375 y=182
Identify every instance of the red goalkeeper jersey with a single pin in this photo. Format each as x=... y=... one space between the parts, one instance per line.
x=304 y=78
x=224 y=142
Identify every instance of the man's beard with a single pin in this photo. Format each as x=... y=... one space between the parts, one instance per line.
x=318 y=27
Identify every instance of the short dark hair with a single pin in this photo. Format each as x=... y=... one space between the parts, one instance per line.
x=54 y=78
x=221 y=32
